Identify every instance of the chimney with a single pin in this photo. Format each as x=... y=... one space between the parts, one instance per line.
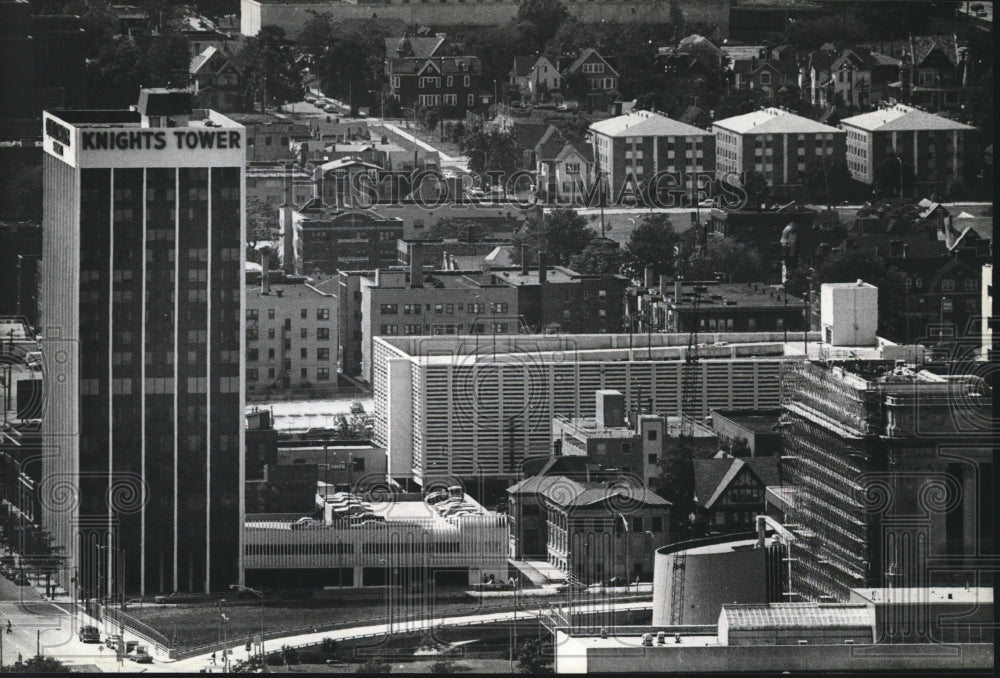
x=265 y=281
x=524 y=260
x=416 y=265
x=648 y=278
x=543 y=268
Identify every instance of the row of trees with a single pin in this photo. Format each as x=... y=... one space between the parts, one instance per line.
x=567 y=240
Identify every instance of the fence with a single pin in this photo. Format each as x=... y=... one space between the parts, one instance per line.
x=141 y=629
x=376 y=621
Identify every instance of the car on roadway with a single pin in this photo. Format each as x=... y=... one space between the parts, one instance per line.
x=89 y=634
x=305 y=524
x=476 y=193
x=178 y=597
x=709 y=202
x=140 y=655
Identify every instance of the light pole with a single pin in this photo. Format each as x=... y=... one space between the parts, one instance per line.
x=899 y=159
x=628 y=555
x=259 y=594
x=121 y=577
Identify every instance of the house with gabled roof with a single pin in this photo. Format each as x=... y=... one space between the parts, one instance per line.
x=729 y=491
x=420 y=73
x=563 y=167
x=216 y=80
x=847 y=75
x=537 y=77
x=598 y=79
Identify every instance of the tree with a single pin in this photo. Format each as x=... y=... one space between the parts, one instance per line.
x=574 y=129
x=452 y=228
x=375 y=665
x=756 y=190
x=675 y=481
x=491 y=150
x=38 y=664
x=543 y=18
x=894 y=175
x=653 y=243
x=534 y=656
x=827 y=180
x=560 y=234
x=348 y=59
x=722 y=257
x=166 y=62
x=600 y=258
x=676 y=20
x=270 y=74
x=21 y=190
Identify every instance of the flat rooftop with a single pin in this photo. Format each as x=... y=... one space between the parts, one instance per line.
x=924 y=595
x=735 y=296
x=199 y=118
x=758 y=422
x=633 y=640
x=725 y=547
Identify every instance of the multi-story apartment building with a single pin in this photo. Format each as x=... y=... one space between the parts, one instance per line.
x=637 y=146
x=291 y=336
x=716 y=307
x=866 y=446
x=775 y=143
x=436 y=303
x=142 y=305
x=268 y=182
x=558 y=299
x=327 y=240
x=420 y=75
x=930 y=147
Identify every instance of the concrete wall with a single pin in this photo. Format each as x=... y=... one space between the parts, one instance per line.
x=572 y=657
x=293 y=15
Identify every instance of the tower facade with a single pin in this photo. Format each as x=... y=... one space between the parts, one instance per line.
x=143 y=342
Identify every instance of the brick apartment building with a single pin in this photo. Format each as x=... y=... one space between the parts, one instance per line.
x=291 y=335
x=929 y=147
x=775 y=143
x=642 y=143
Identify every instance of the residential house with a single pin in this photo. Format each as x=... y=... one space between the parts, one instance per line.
x=598 y=81
x=930 y=147
x=537 y=77
x=853 y=76
x=419 y=74
x=768 y=72
x=773 y=142
x=638 y=146
x=215 y=80
x=729 y=491
x=563 y=168
x=934 y=72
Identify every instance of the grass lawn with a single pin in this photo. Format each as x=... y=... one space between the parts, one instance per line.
x=198 y=625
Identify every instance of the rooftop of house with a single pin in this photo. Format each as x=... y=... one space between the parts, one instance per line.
x=317 y=215
x=712 y=477
x=645 y=123
x=737 y=296
x=589 y=54
x=758 y=421
x=900 y=117
x=443 y=64
x=774 y=121
x=414 y=46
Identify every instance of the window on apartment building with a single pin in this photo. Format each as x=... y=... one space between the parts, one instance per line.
x=252 y=314
x=270 y=333
x=322 y=374
x=252 y=374
x=388 y=309
x=947 y=285
x=322 y=314
x=651 y=435
x=322 y=354
x=303 y=353
x=498 y=307
x=411 y=309
x=471 y=100
x=253 y=355
x=449 y=308
x=251 y=334
x=270 y=314
x=323 y=333
x=304 y=313
x=451 y=81
x=572 y=168
x=270 y=354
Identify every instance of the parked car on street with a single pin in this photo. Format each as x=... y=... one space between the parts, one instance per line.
x=178 y=597
x=89 y=634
